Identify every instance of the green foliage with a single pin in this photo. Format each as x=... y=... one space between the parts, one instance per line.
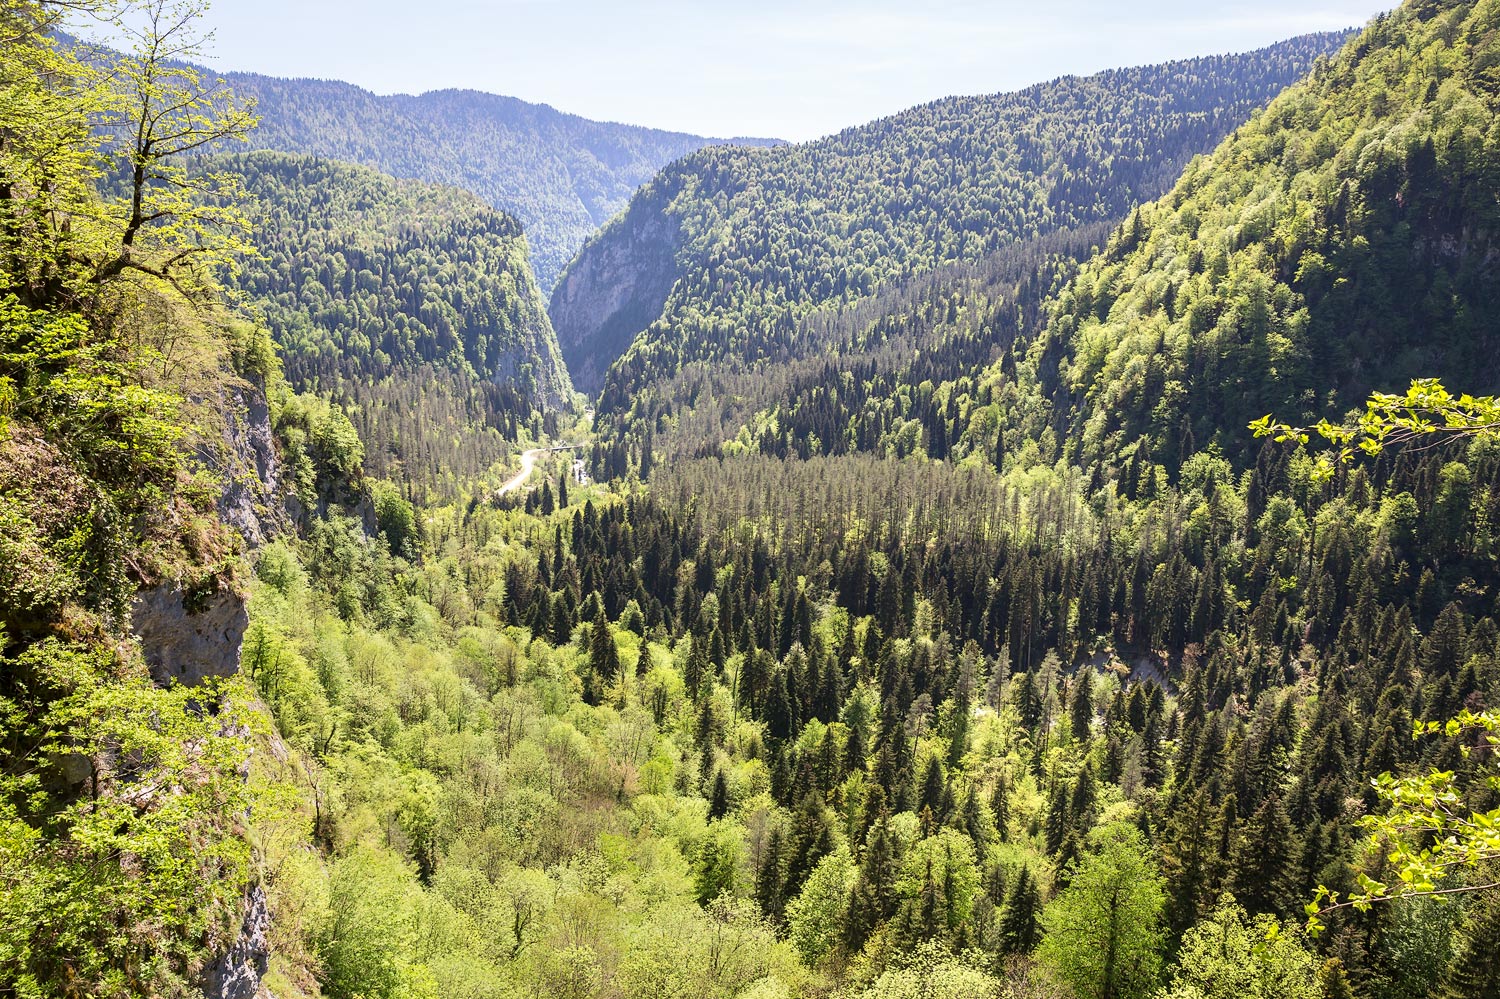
x=561 y=175
x=1311 y=240
x=816 y=916
x=748 y=242
x=418 y=313
x=1229 y=955
x=121 y=862
x=1426 y=833
x=1427 y=412
x=1102 y=935
x=123 y=858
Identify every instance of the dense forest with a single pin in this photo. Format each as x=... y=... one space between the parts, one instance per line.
x=563 y=176
x=1348 y=222
x=969 y=643
x=754 y=238
x=410 y=304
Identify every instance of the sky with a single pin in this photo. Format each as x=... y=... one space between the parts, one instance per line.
x=772 y=68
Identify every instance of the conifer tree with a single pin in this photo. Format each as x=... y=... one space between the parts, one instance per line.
x=1018 y=915
x=770 y=883
x=1082 y=706
x=871 y=900
x=604 y=654
x=1000 y=808
x=718 y=803
x=1474 y=972
x=1263 y=864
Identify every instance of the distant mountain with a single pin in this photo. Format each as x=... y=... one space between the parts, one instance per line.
x=562 y=175
x=412 y=303
x=716 y=260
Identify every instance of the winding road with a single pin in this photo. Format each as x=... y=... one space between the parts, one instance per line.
x=528 y=463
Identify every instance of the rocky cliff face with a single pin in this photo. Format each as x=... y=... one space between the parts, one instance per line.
x=237 y=973
x=190 y=635
x=246 y=463
x=615 y=288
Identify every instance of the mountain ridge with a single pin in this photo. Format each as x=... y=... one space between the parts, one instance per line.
x=736 y=244
x=560 y=173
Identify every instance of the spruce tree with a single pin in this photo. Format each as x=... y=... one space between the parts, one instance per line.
x=1083 y=706
x=770 y=885
x=1263 y=864
x=931 y=796
x=1474 y=972
x=604 y=655
x=871 y=900
x=1000 y=808
x=718 y=803
x=1018 y=915
x=811 y=840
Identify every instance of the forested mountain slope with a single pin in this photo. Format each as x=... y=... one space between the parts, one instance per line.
x=1341 y=241
x=127 y=395
x=1022 y=722
x=562 y=175
x=1347 y=239
x=727 y=248
x=412 y=303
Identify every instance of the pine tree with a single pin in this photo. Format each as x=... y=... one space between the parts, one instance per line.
x=1186 y=844
x=779 y=718
x=1057 y=824
x=718 y=804
x=1018 y=916
x=931 y=797
x=871 y=900
x=1263 y=864
x=697 y=669
x=604 y=655
x=1000 y=808
x=1083 y=706
x=1081 y=805
x=1474 y=972
x=972 y=822
x=811 y=840
x=770 y=884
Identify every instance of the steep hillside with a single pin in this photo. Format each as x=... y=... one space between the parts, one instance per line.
x=1340 y=242
x=735 y=244
x=130 y=432
x=412 y=303
x=1345 y=240
x=563 y=176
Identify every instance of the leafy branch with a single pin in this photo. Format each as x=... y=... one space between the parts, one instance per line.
x=1428 y=415
x=1425 y=831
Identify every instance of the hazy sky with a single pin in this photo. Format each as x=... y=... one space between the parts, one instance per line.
x=765 y=67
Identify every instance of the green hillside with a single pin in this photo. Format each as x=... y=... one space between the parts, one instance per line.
x=956 y=641
x=411 y=303
x=736 y=244
x=562 y=175
x=1342 y=241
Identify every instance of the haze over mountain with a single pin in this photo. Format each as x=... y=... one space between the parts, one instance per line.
x=563 y=176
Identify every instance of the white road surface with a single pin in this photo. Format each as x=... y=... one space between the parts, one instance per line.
x=528 y=463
